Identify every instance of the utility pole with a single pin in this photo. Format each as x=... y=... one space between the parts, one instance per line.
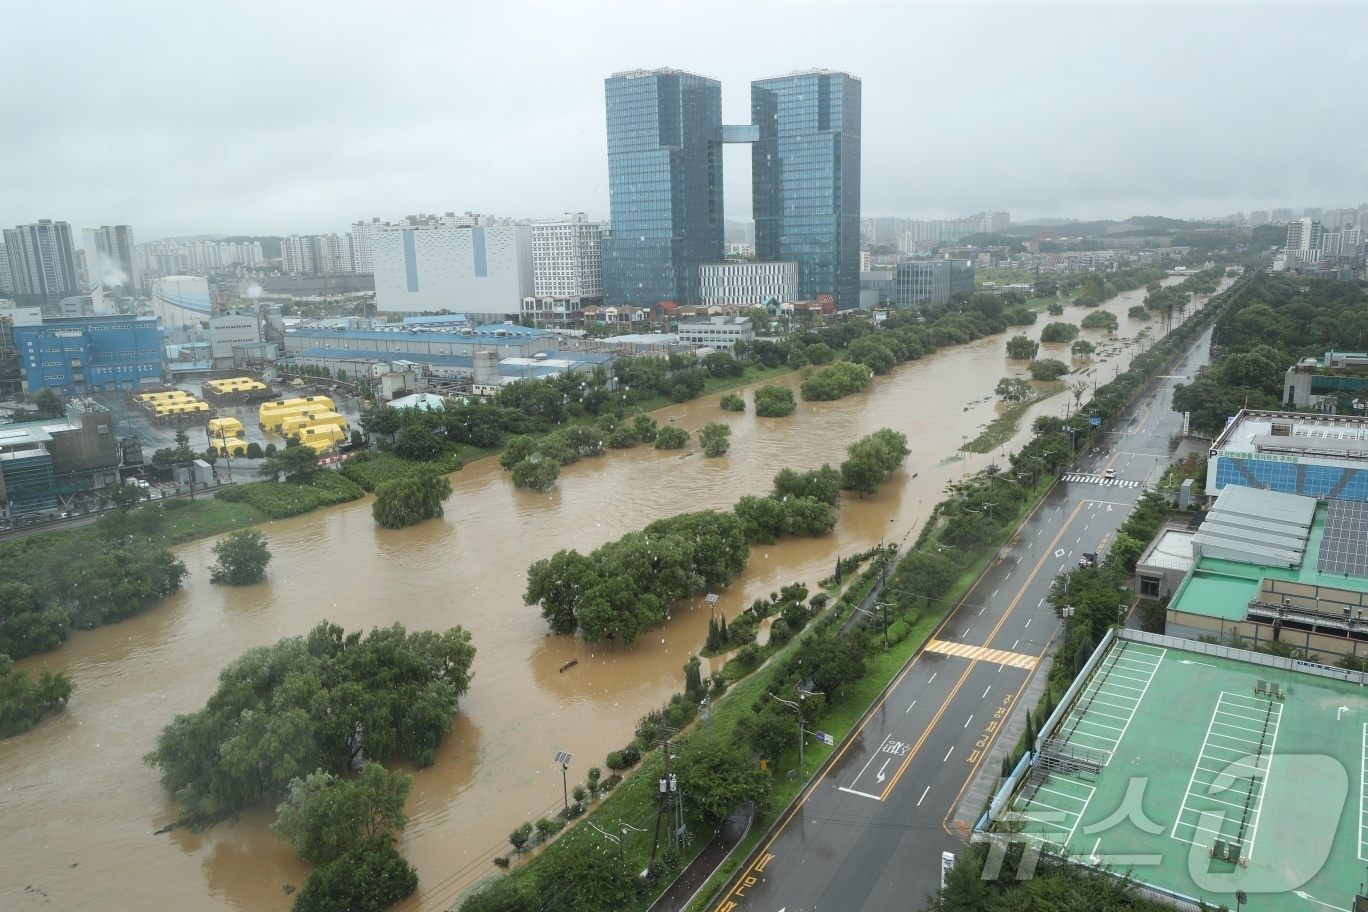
x=669 y=788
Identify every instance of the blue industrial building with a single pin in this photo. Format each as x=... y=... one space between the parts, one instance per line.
x=75 y=355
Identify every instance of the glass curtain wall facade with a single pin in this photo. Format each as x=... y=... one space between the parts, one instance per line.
x=805 y=171
x=664 y=185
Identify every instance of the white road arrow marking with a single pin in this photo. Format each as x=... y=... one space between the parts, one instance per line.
x=880 y=777
x=1342 y=709
x=1188 y=662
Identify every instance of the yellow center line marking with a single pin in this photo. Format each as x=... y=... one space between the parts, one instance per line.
x=1048 y=555
x=983 y=755
x=725 y=901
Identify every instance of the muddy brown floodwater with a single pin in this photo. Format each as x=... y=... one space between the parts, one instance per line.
x=80 y=810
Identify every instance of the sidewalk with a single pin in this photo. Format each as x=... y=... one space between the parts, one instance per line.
x=697 y=872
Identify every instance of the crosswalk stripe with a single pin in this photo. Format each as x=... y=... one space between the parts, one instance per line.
x=1104 y=482
x=982 y=654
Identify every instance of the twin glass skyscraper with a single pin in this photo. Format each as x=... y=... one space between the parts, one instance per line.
x=665 y=137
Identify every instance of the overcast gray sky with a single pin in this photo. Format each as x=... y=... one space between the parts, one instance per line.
x=301 y=117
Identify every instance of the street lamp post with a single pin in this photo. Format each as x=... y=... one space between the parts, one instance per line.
x=562 y=759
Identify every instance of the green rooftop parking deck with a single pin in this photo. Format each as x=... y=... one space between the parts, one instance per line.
x=1203 y=770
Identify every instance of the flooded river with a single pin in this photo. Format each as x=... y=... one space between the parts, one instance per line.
x=80 y=810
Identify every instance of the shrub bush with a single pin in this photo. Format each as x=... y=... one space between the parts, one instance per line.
x=671 y=437
x=897 y=632
x=733 y=402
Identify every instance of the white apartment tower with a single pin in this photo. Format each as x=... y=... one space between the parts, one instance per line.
x=297 y=255
x=567 y=257
x=1303 y=237
x=362 y=240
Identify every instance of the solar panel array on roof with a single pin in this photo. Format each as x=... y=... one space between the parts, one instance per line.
x=1344 y=547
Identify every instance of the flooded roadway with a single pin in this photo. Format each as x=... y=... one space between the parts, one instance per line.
x=80 y=809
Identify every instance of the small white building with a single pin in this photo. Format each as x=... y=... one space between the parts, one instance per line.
x=746 y=284
x=716 y=332
x=229 y=330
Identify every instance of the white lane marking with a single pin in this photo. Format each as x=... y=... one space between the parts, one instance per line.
x=923 y=797
x=1028 y=622
x=968 y=720
x=947 y=755
x=985 y=691
x=909 y=708
x=861 y=794
x=933 y=677
x=873 y=756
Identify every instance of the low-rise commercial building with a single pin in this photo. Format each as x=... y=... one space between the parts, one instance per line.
x=747 y=284
x=1311 y=381
x=1271 y=566
x=45 y=464
x=717 y=332
x=928 y=283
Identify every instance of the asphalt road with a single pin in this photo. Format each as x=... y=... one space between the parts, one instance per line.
x=869 y=832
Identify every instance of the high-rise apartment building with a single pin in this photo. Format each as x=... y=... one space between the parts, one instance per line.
x=42 y=262
x=664 y=185
x=297 y=255
x=567 y=257
x=111 y=258
x=805 y=170
x=362 y=240
x=1280 y=216
x=6 y=284
x=1303 y=237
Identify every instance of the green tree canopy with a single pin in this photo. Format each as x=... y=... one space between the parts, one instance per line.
x=1022 y=348
x=715 y=438
x=537 y=473
x=822 y=484
x=411 y=499
x=774 y=401
x=872 y=459
x=1048 y=369
x=718 y=777
x=242 y=558
x=325 y=816
x=48 y=405
x=297 y=463
x=1059 y=332
x=1014 y=389
x=625 y=587
x=24 y=701
x=671 y=437
x=307 y=703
